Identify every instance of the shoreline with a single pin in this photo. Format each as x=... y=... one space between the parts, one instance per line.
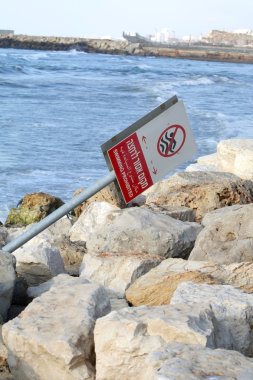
x=106 y=46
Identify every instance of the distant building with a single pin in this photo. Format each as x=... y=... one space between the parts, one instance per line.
x=218 y=37
x=6 y=32
x=163 y=36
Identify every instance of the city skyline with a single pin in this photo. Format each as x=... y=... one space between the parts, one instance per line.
x=100 y=18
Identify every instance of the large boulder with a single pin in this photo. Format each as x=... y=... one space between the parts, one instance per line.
x=232 y=309
x=201 y=191
x=7 y=282
x=156 y=289
x=227 y=236
x=158 y=285
x=117 y=302
x=95 y=214
x=179 y=361
x=38 y=260
x=141 y=231
x=124 y=339
x=234 y=156
x=58 y=235
x=185 y=214
x=54 y=334
x=116 y=272
x=32 y=208
x=109 y=194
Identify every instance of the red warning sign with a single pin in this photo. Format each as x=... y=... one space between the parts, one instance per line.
x=171 y=141
x=130 y=167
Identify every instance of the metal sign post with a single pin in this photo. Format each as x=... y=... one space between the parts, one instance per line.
x=138 y=157
x=59 y=213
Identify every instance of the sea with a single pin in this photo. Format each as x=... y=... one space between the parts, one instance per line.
x=57 y=108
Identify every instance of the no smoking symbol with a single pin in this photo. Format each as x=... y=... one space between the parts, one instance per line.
x=171 y=140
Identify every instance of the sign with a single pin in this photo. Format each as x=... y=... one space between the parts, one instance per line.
x=146 y=151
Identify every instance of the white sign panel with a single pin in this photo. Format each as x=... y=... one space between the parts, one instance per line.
x=167 y=141
x=149 y=149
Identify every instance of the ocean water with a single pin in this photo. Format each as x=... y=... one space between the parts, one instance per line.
x=57 y=108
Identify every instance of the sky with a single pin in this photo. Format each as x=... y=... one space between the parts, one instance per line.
x=99 y=18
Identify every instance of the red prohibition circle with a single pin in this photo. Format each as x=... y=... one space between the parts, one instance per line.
x=168 y=145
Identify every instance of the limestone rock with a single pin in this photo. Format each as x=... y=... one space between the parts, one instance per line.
x=142 y=231
x=54 y=334
x=227 y=236
x=7 y=281
x=179 y=361
x=123 y=339
x=201 y=191
x=37 y=291
x=109 y=194
x=38 y=260
x=116 y=272
x=116 y=301
x=155 y=290
x=234 y=156
x=205 y=163
x=94 y=215
x=233 y=312
x=185 y=214
x=158 y=285
x=32 y=208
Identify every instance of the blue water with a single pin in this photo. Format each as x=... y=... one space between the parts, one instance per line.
x=57 y=108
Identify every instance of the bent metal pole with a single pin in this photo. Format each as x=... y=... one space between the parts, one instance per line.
x=59 y=213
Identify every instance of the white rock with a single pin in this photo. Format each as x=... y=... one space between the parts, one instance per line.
x=233 y=312
x=205 y=163
x=58 y=236
x=59 y=230
x=116 y=301
x=7 y=281
x=227 y=236
x=123 y=339
x=180 y=361
x=94 y=215
x=234 y=156
x=185 y=214
x=36 y=291
x=141 y=231
x=116 y=272
x=38 y=260
x=53 y=337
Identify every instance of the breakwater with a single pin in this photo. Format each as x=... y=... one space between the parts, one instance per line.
x=107 y=46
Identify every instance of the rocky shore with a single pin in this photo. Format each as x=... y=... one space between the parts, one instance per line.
x=161 y=289
x=106 y=46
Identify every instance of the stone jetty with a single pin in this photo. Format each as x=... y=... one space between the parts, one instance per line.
x=108 y=46
x=162 y=289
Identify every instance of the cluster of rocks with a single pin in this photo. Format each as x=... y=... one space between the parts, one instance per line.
x=161 y=289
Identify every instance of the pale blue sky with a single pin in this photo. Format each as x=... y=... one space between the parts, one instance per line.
x=97 y=18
